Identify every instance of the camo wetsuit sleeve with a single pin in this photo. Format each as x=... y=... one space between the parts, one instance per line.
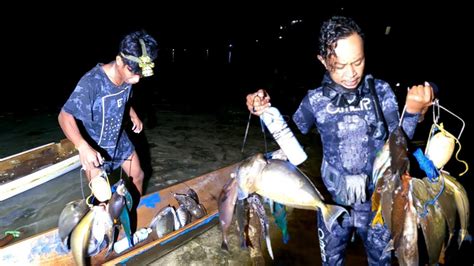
x=390 y=110
x=303 y=117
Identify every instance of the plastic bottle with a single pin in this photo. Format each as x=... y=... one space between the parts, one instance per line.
x=139 y=236
x=283 y=135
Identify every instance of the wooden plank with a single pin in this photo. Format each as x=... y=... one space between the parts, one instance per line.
x=31 y=168
x=39 y=177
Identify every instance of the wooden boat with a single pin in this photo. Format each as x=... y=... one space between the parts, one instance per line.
x=31 y=168
x=46 y=249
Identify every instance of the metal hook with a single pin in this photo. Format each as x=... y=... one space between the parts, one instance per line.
x=436 y=103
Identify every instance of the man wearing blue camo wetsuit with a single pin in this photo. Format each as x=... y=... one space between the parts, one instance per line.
x=344 y=112
x=99 y=102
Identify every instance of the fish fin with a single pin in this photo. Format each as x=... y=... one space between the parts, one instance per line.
x=280 y=219
x=463 y=236
x=330 y=215
x=128 y=200
x=177 y=223
x=269 y=245
x=240 y=213
x=112 y=241
x=388 y=247
x=378 y=219
x=442 y=255
x=125 y=221
x=449 y=240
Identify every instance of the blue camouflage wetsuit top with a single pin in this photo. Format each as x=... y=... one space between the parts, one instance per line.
x=100 y=105
x=350 y=136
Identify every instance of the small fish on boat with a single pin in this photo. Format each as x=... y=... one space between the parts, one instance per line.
x=165 y=221
x=46 y=246
x=196 y=209
x=184 y=216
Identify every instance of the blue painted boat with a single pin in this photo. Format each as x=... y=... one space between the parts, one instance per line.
x=46 y=248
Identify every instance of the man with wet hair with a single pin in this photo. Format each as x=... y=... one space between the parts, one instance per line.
x=353 y=113
x=92 y=117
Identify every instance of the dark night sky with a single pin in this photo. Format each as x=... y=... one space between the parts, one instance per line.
x=54 y=47
x=45 y=52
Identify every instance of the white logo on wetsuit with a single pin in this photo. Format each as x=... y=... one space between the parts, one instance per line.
x=322 y=246
x=364 y=105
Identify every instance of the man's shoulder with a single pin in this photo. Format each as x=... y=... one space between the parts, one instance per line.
x=381 y=86
x=315 y=92
x=95 y=73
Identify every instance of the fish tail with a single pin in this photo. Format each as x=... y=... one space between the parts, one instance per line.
x=224 y=246
x=330 y=213
x=280 y=219
x=125 y=221
x=378 y=219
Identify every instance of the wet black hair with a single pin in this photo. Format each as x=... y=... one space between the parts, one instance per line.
x=334 y=29
x=130 y=45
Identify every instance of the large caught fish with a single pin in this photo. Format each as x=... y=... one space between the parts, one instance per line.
x=284 y=183
x=445 y=199
x=390 y=164
x=431 y=219
x=70 y=216
x=277 y=180
x=407 y=252
x=81 y=235
x=462 y=204
x=226 y=205
x=392 y=198
x=102 y=231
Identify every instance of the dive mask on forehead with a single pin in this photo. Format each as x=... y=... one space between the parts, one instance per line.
x=144 y=61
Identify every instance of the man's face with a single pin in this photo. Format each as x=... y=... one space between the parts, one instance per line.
x=129 y=76
x=346 y=67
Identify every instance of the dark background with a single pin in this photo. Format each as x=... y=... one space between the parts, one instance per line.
x=46 y=48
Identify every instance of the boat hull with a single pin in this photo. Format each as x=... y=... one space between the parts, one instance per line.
x=46 y=249
x=31 y=168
